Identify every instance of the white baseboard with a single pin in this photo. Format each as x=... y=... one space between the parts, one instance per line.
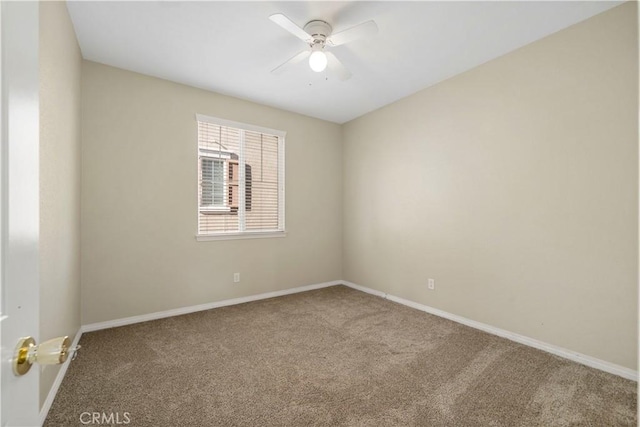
x=56 y=383
x=208 y=306
x=583 y=359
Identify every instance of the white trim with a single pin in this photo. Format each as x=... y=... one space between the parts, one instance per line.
x=214 y=154
x=204 y=210
x=242 y=185
x=281 y=183
x=230 y=123
x=366 y=290
x=53 y=391
x=583 y=359
x=242 y=235
x=208 y=306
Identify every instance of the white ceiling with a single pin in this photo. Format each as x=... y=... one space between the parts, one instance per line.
x=231 y=47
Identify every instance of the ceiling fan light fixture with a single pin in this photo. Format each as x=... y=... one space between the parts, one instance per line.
x=318 y=34
x=318 y=61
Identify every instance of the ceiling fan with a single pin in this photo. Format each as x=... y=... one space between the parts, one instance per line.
x=318 y=35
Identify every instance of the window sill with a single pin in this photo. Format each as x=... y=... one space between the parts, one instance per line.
x=238 y=236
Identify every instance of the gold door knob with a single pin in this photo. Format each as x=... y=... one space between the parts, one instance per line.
x=52 y=352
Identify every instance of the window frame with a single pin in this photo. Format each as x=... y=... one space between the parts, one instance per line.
x=241 y=234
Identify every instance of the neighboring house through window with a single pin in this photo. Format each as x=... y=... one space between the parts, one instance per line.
x=214 y=170
x=240 y=180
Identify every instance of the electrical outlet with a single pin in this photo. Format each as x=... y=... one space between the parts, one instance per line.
x=431 y=284
x=236 y=277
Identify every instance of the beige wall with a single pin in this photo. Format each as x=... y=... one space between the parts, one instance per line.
x=515 y=186
x=139 y=200
x=60 y=66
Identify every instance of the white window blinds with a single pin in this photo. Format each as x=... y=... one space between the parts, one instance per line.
x=240 y=178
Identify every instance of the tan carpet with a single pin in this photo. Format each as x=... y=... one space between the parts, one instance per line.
x=334 y=357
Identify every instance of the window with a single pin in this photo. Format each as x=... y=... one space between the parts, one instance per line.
x=214 y=171
x=240 y=180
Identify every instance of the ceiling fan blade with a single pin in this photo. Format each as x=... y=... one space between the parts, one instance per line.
x=335 y=66
x=366 y=29
x=298 y=57
x=289 y=25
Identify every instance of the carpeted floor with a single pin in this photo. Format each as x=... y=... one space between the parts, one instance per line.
x=334 y=357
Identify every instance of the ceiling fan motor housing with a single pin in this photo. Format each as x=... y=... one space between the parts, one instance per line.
x=319 y=31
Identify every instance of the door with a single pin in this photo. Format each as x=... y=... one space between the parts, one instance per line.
x=19 y=206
